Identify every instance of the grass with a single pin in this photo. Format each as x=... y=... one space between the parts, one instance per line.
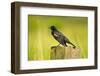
x=40 y=39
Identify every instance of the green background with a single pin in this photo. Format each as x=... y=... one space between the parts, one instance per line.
x=40 y=39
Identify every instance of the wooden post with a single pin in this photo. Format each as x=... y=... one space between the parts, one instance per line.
x=61 y=52
x=57 y=52
x=72 y=53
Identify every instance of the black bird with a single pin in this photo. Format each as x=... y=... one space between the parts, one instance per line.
x=60 y=37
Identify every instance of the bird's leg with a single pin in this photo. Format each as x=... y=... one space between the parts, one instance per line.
x=65 y=44
x=57 y=45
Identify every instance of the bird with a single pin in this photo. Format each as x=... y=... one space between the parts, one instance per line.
x=60 y=37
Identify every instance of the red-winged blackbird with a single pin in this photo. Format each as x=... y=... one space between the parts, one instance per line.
x=60 y=37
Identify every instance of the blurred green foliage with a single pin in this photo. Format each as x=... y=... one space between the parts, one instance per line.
x=40 y=39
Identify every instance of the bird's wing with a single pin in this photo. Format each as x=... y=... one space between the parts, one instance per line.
x=59 y=36
x=59 y=33
x=66 y=39
x=63 y=36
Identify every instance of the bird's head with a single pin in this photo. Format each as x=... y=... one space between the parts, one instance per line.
x=53 y=28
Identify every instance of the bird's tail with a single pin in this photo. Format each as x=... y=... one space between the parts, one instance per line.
x=73 y=45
